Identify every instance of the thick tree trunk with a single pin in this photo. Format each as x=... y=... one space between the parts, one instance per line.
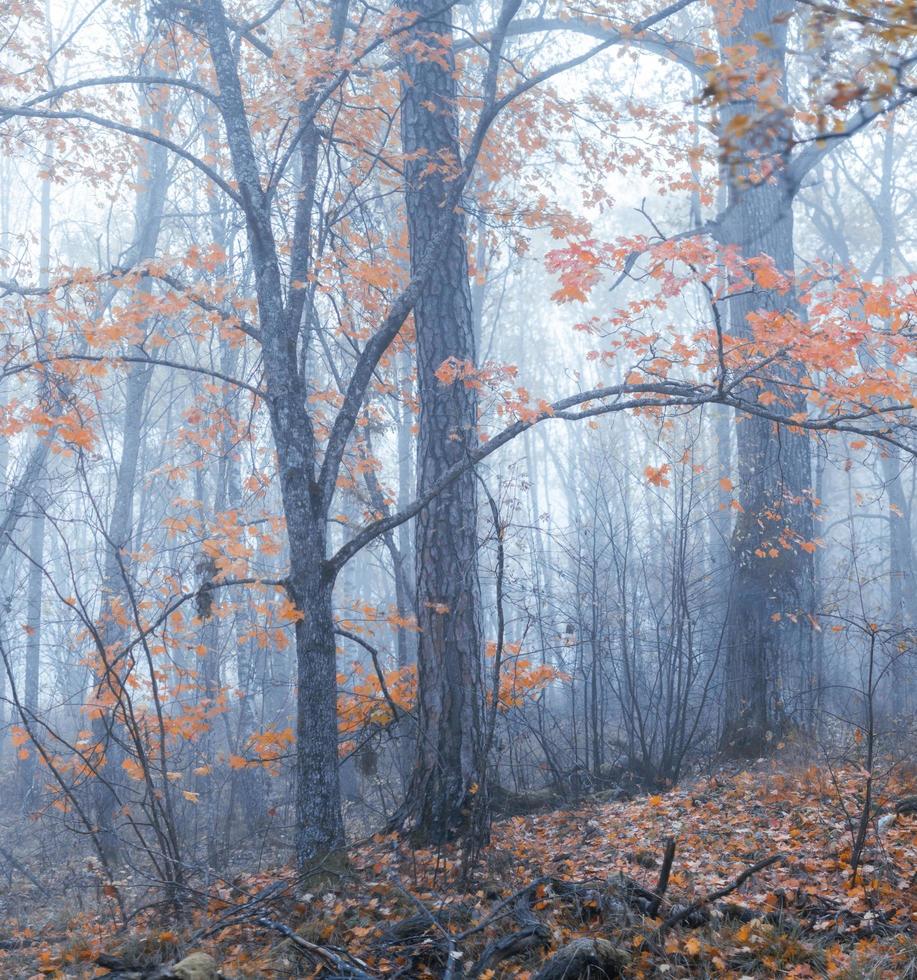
x=902 y=575
x=320 y=828
x=769 y=634
x=318 y=794
x=447 y=765
x=310 y=584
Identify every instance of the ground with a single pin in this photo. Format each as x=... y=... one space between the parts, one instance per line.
x=548 y=879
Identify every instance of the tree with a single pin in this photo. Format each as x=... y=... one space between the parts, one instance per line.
x=771 y=595
x=448 y=767
x=286 y=127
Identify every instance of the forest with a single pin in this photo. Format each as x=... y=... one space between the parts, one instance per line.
x=457 y=466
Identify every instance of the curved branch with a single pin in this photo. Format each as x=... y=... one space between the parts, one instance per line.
x=665 y=394
x=133 y=359
x=377 y=666
x=8 y=112
x=403 y=304
x=166 y=80
x=673 y=394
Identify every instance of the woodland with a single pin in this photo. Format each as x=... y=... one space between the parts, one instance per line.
x=457 y=466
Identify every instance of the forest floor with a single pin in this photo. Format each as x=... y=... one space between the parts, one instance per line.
x=566 y=894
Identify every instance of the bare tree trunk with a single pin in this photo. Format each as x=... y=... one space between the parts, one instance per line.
x=37 y=527
x=150 y=204
x=320 y=827
x=769 y=634
x=36 y=552
x=447 y=765
x=902 y=577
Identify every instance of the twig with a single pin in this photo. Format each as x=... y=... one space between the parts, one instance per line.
x=23 y=870
x=689 y=910
x=663 y=882
x=350 y=967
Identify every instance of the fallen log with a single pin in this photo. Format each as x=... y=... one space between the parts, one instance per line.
x=906 y=806
x=524 y=940
x=421 y=925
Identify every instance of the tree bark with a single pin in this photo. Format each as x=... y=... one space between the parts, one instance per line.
x=440 y=795
x=769 y=635
x=320 y=827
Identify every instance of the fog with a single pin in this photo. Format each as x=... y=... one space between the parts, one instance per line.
x=416 y=416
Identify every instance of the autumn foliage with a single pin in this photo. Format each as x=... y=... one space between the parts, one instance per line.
x=656 y=425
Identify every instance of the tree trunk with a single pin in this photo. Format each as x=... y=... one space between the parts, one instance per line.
x=447 y=767
x=320 y=827
x=153 y=170
x=33 y=630
x=36 y=490
x=769 y=635
x=902 y=578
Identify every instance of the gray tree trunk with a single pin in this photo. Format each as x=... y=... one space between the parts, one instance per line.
x=149 y=207
x=320 y=828
x=439 y=801
x=769 y=635
x=36 y=547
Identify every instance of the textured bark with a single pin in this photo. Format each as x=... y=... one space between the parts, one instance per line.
x=320 y=827
x=308 y=487
x=902 y=575
x=446 y=767
x=769 y=635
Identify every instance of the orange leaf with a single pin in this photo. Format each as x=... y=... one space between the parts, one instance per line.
x=657 y=475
